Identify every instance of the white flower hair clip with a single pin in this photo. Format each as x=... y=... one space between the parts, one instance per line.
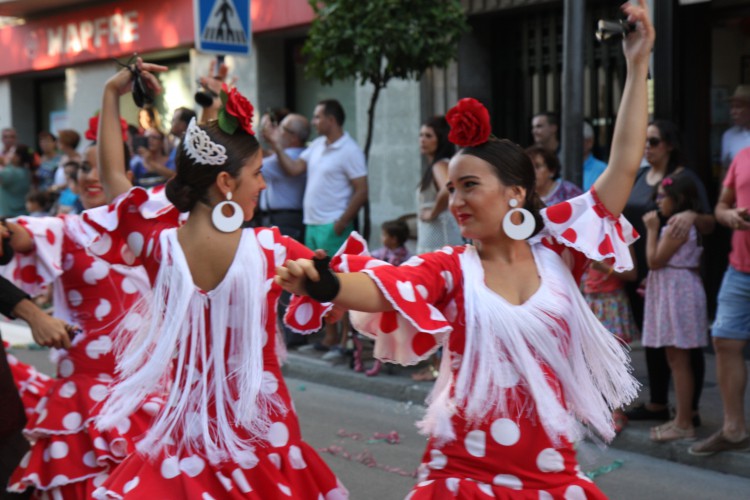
x=199 y=146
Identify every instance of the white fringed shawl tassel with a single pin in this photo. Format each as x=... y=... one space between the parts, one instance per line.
x=171 y=332
x=506 y=346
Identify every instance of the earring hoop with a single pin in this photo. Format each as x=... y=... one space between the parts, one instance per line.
x=222 y=222
x=518 y=231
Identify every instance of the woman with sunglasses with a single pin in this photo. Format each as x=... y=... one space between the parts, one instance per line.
x=69 y=458
x=664 y=158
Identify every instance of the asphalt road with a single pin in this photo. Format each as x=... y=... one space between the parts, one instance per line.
x=341 y=423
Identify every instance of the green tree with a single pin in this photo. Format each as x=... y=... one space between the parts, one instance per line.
x=376 y=40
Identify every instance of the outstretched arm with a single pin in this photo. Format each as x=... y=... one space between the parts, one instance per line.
x=109 y=140
x=358 y=291
x=614 y=185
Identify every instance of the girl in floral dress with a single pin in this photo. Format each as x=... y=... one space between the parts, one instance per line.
x=69 y=458
x=675 y=314
x=526 y=365
x=228 y=428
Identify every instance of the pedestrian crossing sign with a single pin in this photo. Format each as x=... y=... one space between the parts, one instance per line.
x=223 y=26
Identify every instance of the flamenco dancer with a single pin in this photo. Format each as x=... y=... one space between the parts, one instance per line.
x=69 y=458
x=205 y=333
x=527 y=367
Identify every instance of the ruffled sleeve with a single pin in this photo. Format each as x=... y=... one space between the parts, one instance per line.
x=582 y=228
x=34 y=270
x=303 y=315
x=421 y=291
x=129 y=228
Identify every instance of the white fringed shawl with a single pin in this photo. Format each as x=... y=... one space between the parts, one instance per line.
x=170 y=330
x=506 y=345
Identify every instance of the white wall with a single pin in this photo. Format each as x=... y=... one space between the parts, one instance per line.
x=6 y=108
x=84 y=88
x=394 y=166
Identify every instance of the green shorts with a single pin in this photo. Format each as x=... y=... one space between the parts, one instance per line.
x=323 y=236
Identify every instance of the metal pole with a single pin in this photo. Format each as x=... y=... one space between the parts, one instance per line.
x=572 y=91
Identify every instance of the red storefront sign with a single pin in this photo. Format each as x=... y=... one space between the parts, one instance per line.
x=119 y=29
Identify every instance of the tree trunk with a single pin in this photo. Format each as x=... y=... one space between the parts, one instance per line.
x=368 y=142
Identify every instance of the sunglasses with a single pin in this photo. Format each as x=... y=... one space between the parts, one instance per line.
x=653 y=141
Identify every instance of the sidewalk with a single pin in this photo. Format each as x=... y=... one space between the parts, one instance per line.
x=396 y=384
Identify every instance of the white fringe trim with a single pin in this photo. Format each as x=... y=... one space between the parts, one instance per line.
x=173 y=332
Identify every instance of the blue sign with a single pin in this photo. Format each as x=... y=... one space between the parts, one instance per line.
x=223 y=26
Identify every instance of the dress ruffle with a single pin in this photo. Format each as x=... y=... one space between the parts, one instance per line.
x=504 y=487
x=416 y=328
x=31 y=384
x=291 y=472
x=584 y=224
x=67 y=448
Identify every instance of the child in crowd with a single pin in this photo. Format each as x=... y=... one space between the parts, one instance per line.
x=604 y=290
x=68 y=202
x=675 y=307
x=37 y=204
x=393 y=236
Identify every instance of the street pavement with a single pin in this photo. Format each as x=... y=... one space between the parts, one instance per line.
x=348 y=428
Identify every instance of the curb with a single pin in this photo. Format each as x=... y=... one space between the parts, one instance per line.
x=386 y=386
x=634 y=438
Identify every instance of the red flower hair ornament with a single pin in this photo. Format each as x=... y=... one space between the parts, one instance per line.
x=470 y=123
x=236 y=111
x=93 y=132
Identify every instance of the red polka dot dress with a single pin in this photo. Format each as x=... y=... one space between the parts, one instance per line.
x=69 y=458
x=518 y=384
x=31 y=383
x=228 y=429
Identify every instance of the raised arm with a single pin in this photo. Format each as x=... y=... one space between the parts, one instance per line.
x=615 y=184
x=109 y=144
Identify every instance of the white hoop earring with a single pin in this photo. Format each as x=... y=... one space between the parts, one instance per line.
x=222 y=222
x=518 y=231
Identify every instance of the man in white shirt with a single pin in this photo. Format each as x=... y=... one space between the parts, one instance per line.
x=336 y=187
x=738 y=136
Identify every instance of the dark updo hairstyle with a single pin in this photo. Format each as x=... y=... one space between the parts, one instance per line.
x=670 y=135
x=445 y=149
x=683 y=192
x=550 y=159
x=192 y=180
x=513 y=167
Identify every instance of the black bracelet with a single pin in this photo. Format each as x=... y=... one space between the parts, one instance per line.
x=327 y=288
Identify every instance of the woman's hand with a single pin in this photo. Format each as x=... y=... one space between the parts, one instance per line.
x=737 y=219
x=293 y=275
x=122 y=81
x=651 y=220
x=425 y=214
x=680 y=224
x=638 y=44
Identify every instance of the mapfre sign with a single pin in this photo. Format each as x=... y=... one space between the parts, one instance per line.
x=112 y=30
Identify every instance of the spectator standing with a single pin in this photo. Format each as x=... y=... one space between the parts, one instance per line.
x=149 y=166
x=675 y=315
x=436 y=227
x=336 y=189
x=544 y=129
x=50 y=161
x=10 y=139
x=592 y=167
x=69 y=202
x=37 y=204
x=68 y=141
x=549 y=186
x=731 y=328
x=664 y=158
x=737 y=137
x=281 y=202
x=15 y=182
x=180 y=121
